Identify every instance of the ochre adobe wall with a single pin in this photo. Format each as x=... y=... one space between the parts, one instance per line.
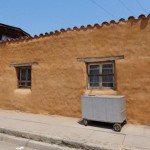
x=58 y=81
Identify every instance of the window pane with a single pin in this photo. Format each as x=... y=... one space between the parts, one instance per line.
x=107 y=84
x=94 y=84
x=29 y=74
x=21 y=83
x=23 y=74
x=107 y=71
x=94 y=78
x=94 y=67
x=18 y=72
x=29 y=84
x=107 y=78
x=94 y=81
x=94 y=72
x=107 y=66
x=107 y=75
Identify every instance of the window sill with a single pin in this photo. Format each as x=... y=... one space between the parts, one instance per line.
x=104 y=91
x=100 y=88
x=22 y=91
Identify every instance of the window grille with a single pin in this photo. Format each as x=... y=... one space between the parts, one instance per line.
x=24 y=77
x=101 y=75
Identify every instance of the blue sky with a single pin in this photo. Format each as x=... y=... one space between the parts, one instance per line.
x=40 y=16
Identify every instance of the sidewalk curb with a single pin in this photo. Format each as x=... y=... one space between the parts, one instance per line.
x=56 y=141
x=26 y=143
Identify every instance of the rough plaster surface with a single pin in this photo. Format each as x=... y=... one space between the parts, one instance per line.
x=58 y=81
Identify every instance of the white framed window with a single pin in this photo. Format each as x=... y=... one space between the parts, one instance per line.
x=101 y=75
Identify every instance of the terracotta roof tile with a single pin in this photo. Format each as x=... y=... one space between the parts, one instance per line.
x=77 y=29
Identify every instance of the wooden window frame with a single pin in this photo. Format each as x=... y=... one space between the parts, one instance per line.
x=100 y=75
x=26 y=81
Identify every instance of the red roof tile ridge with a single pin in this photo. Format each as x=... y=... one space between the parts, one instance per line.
x=42 y=35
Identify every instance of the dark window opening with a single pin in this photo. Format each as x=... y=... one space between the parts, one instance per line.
x=24 y=77
x=101 y=75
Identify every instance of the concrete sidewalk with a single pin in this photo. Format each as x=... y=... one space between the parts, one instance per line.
x=70 y=132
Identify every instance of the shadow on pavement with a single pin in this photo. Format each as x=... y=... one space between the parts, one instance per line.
x=103 y=125
x=98 y=124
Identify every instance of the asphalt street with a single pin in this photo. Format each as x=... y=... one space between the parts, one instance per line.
x=14 y=143
x=8 y=146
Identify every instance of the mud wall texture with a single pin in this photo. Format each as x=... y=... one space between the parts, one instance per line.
x=59 y=80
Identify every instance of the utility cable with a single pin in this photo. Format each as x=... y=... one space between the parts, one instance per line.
x=106 y=11
x=141 y=5
x=126 y=7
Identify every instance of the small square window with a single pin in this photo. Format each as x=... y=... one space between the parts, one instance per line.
x=101 y=75
x=24 y=77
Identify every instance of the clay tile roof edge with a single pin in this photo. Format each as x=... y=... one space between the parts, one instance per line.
x=142 y=16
